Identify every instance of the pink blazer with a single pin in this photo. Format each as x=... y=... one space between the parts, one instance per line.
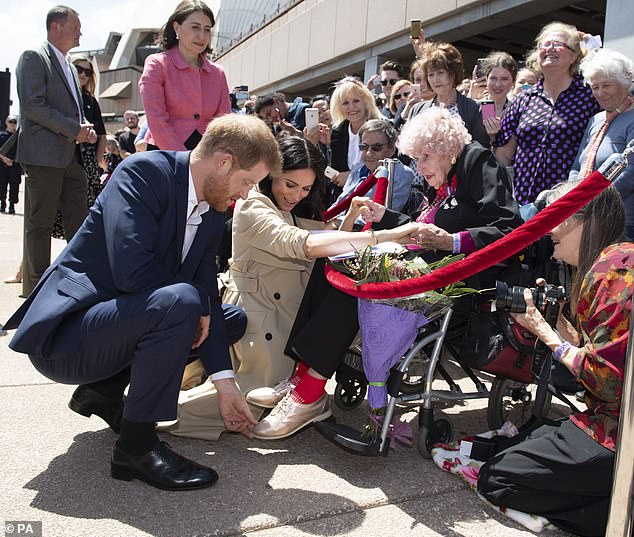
x=179 y=98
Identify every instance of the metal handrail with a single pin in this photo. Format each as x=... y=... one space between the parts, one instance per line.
x=621 y=517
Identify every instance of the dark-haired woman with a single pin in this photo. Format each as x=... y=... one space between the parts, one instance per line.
x=273 y=251
x=182 y=90
x=564 y=472
x=443 y=68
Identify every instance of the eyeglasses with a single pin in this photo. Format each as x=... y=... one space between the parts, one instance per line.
x=399 y=95
x=556 y=45
x=390 y=81
x=80 y=70
x=375 y=147
x=12 y=121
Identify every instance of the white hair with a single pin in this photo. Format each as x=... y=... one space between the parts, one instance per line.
x=609 y=63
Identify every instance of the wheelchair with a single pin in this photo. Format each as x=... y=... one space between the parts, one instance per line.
x=499 y=348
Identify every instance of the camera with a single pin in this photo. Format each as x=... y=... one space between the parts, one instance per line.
x=546 y=297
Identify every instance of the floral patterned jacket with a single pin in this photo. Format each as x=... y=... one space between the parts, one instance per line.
x=604 y=310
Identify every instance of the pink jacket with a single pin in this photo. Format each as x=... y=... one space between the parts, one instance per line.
x=179 y=98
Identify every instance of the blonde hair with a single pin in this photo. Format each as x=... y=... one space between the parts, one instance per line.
x=348 y=87
x=91 y=85
x=434 y=130
x=397 y=87
x=573 y=40
x=247 y=139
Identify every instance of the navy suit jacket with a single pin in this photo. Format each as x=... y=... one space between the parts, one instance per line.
x=131 y=241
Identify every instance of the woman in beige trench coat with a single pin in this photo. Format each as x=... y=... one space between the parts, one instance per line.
x=273 y=251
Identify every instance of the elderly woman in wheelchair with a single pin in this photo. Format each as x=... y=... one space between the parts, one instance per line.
x=469 y=204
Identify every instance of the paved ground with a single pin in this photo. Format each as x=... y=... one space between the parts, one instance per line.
x=54 y=466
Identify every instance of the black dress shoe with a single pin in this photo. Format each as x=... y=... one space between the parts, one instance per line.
x=11 y=208
x=86 y=401
x=162 y=468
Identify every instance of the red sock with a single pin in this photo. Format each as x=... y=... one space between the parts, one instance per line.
x=301 y=370
x=308 y=390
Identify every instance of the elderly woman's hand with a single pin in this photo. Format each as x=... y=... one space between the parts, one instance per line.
x=367 y=209
x=432 y=237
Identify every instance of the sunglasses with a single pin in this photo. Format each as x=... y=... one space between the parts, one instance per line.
x=80 y=70
x=404 y=94
x=12 y=121
x=556 y=45
x=390 y=81
x=375 y=147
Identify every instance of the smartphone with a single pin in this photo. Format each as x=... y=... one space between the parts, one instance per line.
x=415 y=89
x=415 y=28
x=488 y=109
x=242 y=96
x=311 y=116
x=480 y=67
x=330 y=172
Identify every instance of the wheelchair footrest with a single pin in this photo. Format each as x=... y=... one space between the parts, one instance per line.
x=349 y=438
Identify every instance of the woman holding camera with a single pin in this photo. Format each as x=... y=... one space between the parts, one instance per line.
x=564 y=472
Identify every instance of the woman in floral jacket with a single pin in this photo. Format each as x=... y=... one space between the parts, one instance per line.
x=564 y=472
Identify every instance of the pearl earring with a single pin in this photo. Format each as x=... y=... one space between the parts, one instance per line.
x=177 y=37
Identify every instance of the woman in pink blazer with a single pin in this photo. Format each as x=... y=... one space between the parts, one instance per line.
x=182 y=90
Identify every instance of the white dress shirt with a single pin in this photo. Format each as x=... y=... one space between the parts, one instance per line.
x=64 y=61
x=195 y=210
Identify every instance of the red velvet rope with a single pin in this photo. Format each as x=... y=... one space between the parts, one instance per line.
x=488 y=256
x=344 y=204
x=380 y=195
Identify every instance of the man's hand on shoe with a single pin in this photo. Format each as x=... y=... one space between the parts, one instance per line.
x=233 y=407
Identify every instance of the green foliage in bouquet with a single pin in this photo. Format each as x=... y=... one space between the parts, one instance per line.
x=369 y=267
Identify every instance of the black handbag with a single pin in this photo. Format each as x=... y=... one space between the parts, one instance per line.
x=193 y=140
x=10 y=148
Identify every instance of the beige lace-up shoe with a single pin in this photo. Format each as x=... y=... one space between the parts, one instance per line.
x=288 y=417
x=269 y=397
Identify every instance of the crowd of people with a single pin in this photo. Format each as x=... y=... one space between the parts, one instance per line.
x=137 y=300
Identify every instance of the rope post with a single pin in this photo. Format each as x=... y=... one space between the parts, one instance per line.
x=621 y=518
x=390 y=164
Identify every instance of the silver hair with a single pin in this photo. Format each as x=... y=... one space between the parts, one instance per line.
x=609 y=63
x=380 y=125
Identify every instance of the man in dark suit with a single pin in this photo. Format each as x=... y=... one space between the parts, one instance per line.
x=52 y=125
x=135 y=291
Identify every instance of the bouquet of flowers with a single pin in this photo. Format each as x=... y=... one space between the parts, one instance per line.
x=390 y=326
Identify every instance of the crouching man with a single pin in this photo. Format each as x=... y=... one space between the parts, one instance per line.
x=134 y=295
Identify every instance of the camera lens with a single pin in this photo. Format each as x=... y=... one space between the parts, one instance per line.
x=511 y=299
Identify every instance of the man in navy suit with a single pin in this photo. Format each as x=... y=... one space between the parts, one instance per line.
x=134 y=296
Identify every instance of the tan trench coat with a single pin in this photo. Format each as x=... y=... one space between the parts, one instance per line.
x=267 y=277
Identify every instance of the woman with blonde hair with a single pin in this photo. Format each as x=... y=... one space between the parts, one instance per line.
x=542 y=128
x=351 y=105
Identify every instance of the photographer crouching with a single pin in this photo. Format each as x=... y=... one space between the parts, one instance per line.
x=564 y=472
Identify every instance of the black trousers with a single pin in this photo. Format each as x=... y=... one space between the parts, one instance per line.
x=325 y=326
x=10 y=177
x=558 y=472
x=143 y=339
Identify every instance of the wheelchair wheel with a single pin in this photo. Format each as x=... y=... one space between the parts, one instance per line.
x=350 y=393
x=426 y=440
x=414 y=378
x=511 y=400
